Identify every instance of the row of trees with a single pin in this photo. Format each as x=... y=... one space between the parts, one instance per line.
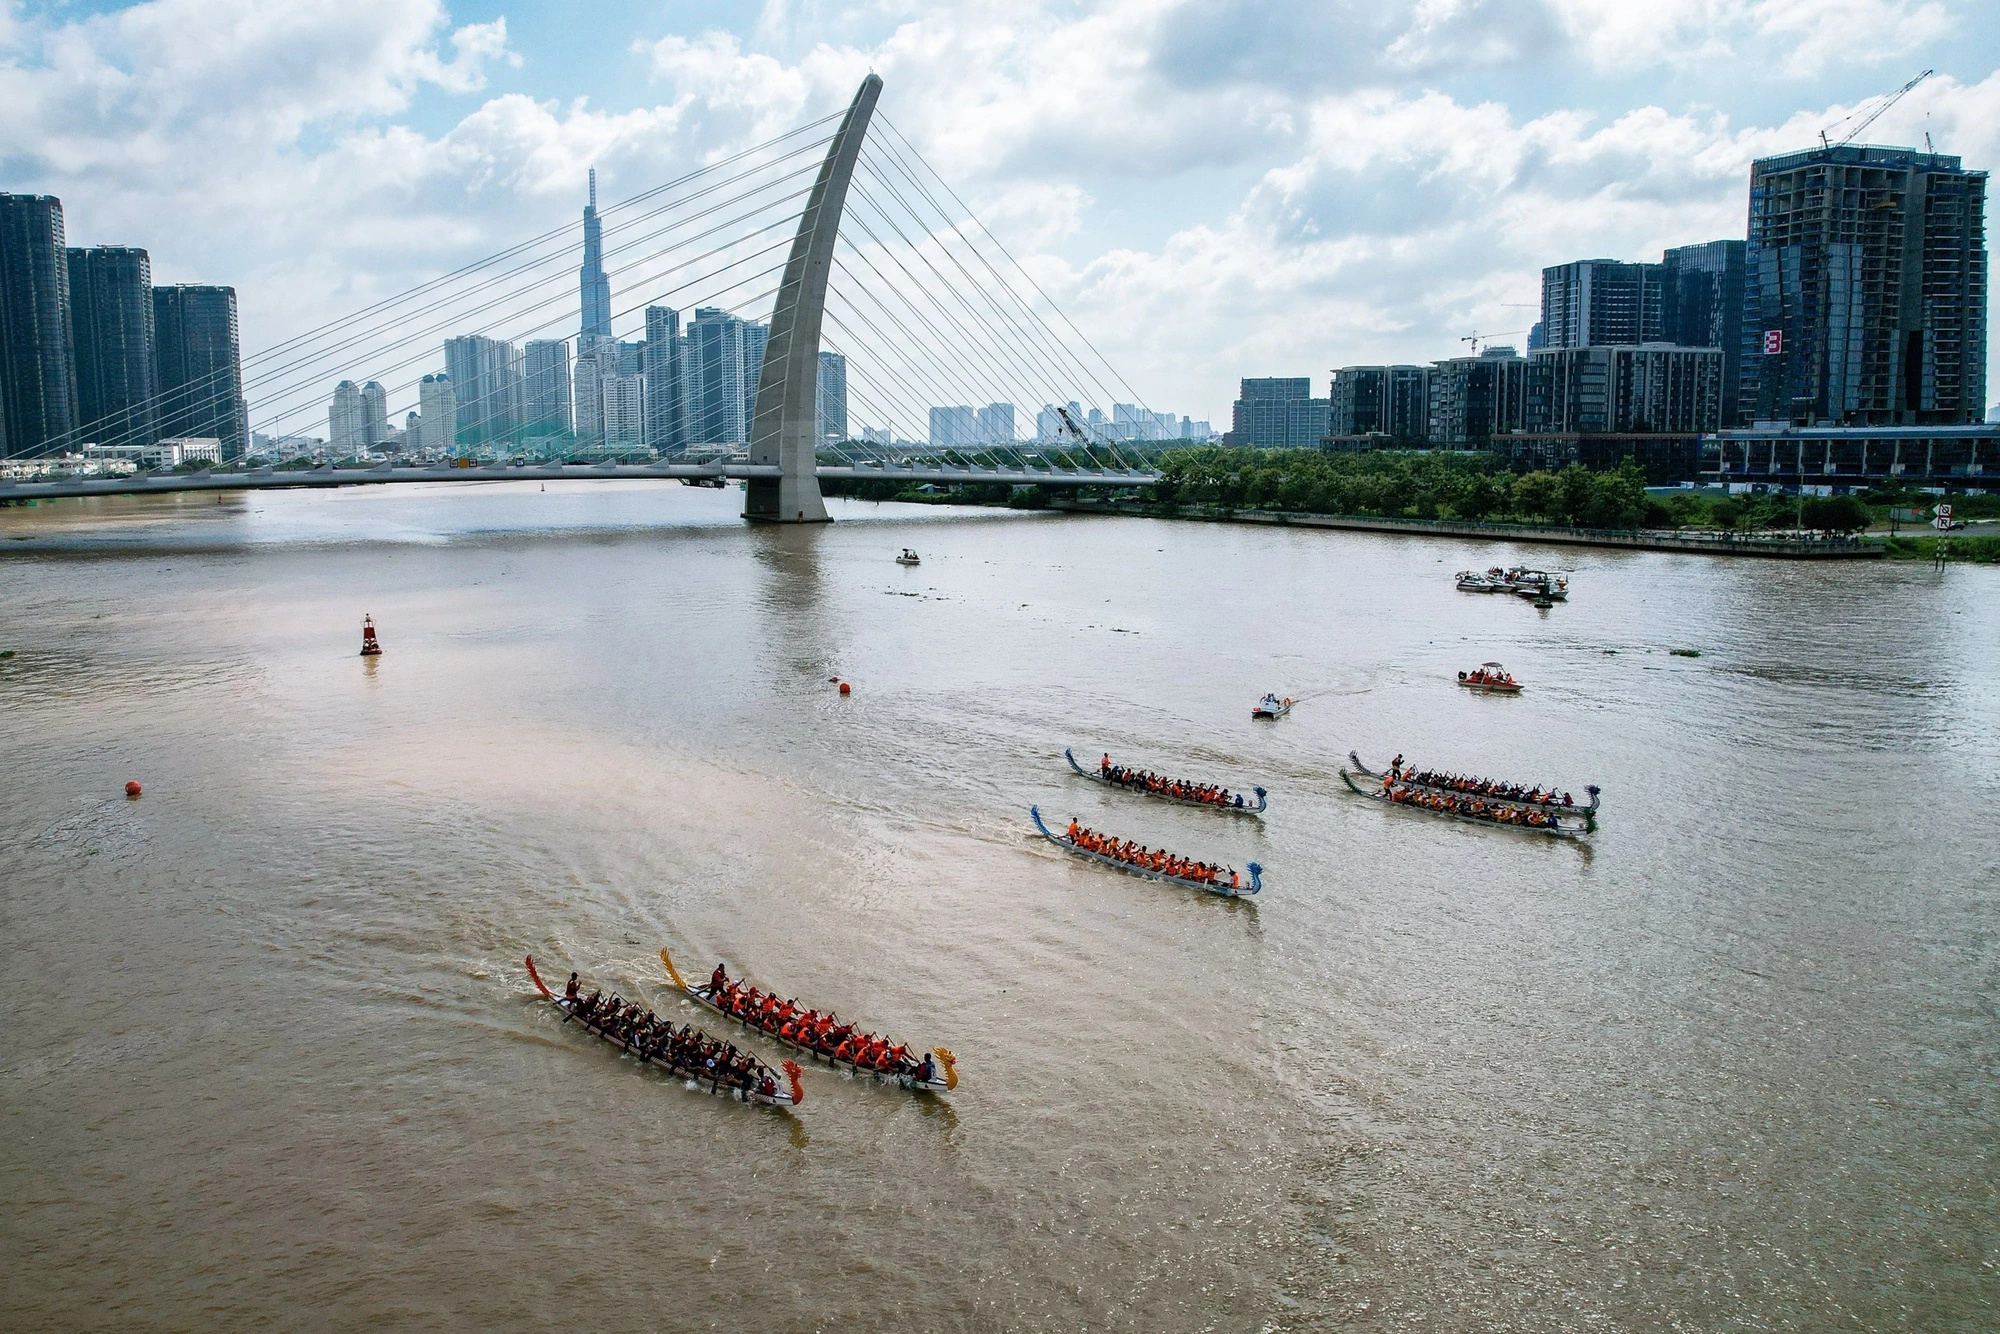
x=1477 y=487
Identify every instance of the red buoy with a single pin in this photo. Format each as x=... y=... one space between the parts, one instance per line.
x=132 y=788
x=371 y=647
x=846 y=689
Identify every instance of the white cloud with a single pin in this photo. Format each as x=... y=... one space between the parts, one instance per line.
x=1293 y=184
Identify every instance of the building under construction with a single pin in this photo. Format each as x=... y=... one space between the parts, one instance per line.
x=1865 y=289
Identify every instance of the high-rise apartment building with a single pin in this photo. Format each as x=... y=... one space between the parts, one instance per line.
x=756 y=337
x=1603 y=302
x=1392 y=401
x=717 y=367
x=596 y=363
x=954 y=427
x=666 y=432
x=482 y=372
x=1865 y=289
x=1657 y=388
x=438 y=407
x=37 y=351
x=1279 y=412
x=545 y=388
x=1705 y=308
x=198 y=361
x=994 y=424
x=374 y=413
x=624 y=412
x=346 y=420
x=1473 y=399
x=111 y=324
x=833 y=396
x=594 y=286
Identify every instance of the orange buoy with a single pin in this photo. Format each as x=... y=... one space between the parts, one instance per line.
x=132 y=789
x=846 y=689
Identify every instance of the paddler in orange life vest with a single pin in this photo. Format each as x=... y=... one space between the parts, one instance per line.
x=1104 y=765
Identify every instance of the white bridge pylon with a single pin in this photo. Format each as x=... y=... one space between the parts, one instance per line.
x=785 y=422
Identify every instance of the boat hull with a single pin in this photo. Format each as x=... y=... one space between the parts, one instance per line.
x=1263 y=798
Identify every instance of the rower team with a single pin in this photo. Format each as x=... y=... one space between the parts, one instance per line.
x=1477 y=787
x=686 y=1050
x=1151 y=859
x=821 y=1033
x=1180 y=788
x=1475 y=808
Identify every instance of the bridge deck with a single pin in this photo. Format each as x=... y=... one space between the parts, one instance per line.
x=271 y=479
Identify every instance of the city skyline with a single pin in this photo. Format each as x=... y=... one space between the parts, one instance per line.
x=1279 y=218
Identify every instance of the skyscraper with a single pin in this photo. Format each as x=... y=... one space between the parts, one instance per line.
x=199 y=365
x=482 y=379
x=37 y=351
x=1865 y=289
x=346 y=420
x=545 y=388
x=111 y=322
x=1705 y=308
x=596 y=288
x=1279 y=412
x=624 y=399
x=439 y=408
x=596 y=362
x=1473 y=399
x=716 y=354
x=374 y=413
x=1601 y=302
x=832 y=396
x=665 y=431
x=953 y=427
x=995 y=424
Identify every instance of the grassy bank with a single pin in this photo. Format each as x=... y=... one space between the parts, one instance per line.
x=1959 y=548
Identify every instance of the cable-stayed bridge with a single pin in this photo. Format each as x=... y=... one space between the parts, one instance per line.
x=848 y=244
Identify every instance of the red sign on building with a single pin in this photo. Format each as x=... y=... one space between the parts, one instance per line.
x=1774 y=342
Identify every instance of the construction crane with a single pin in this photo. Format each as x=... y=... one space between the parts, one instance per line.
x=1872 y=116
x=1476 y=338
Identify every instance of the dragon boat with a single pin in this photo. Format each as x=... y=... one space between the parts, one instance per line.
x=1588 y=808
x=1247 y=808
x=1553 y=822
x=791 y=1097
x=1077 y=850
x=944 y=1081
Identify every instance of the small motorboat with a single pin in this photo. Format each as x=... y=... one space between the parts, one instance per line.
x=909 y=557
x=1472 y=581
x=1272 y=707
x=371 y=647
x=1491 y=678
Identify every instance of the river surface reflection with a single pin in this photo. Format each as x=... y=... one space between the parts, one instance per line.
x=272 y=1056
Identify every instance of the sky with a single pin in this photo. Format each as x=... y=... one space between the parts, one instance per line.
x=1210 y=189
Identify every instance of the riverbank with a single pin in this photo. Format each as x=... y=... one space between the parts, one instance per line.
x=1775 y=546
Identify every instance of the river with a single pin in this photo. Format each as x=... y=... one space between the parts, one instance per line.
x=271 y=1055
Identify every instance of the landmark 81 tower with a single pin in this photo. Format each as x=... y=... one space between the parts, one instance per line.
x=596 y=287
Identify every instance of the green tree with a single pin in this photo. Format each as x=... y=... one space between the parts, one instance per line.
x=1537 y=495
x=1834 y=514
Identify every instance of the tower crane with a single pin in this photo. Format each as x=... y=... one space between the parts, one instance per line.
x=1872 y=116
x=1476 y=338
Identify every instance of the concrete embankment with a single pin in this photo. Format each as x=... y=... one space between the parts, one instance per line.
x=1769 y=547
